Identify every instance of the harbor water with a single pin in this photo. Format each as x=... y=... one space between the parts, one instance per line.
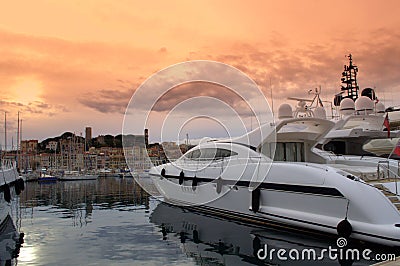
x=112 y=221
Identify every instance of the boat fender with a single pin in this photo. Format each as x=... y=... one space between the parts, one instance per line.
x=255 y=200
x=17 y=187
x=163 y=172
x=344 y=228
x=21 y=238
x=194 y=183
x=256 y=246
x=7 y=193
x=181 y=177
x=219 y=185
x=164 y=231
x=21 y=184
x=182 y=237
x=196 y=236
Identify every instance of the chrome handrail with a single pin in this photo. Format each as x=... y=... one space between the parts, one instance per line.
x=389 y=171
x=383 y=164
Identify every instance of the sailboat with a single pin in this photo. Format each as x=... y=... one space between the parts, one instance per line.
x=10 y=182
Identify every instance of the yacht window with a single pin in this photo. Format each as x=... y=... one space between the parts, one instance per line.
x=289 y=152
x=209 y=154
x=193 y=155
x=222 y=153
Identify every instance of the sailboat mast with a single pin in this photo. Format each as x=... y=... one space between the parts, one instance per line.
x=20 y=137
x=5 y=131
x=18 y=141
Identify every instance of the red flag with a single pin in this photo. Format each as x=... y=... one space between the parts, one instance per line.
x=397 y=148
x=387 y=124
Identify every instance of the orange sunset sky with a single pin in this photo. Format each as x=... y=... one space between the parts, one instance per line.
x=69 y=64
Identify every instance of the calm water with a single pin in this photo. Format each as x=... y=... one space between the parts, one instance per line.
x=112 y=221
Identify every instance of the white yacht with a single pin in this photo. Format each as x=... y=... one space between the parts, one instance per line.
x=8 y=172
x=359 y=133
x=279 y=174
x=9 y=178
x=10 y=239
x=344 y=146
x=11 y=185
x=240 y=179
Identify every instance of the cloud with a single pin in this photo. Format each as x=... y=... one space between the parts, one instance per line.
x=188 y=91
x=288 y=72
x=66 y=68
x=292 y=72
x=107 y=100
x=31 y=108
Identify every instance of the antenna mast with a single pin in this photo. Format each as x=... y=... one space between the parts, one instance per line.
x=5 y=131
x=349 y=80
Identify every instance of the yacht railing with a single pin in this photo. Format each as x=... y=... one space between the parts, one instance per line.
x=383 y=164
x=390 y=173
x=7 y=164
x=211 y=162
x=331 y=155
x=398 y=168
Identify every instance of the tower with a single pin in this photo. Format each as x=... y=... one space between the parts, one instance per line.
x=88 y=137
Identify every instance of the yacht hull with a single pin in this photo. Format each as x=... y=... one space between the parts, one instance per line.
x=311 y=206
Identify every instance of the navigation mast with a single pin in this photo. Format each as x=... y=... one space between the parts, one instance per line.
x=349 y=80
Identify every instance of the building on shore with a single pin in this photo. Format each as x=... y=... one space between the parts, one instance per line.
x=72 y=152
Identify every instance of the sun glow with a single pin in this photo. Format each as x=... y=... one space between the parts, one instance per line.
x=26 y=90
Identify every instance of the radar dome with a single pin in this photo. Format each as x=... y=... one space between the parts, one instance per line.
x=364 y=104
x=285 y=111
x=320 y=112
x=347 y=106
x=380 y=108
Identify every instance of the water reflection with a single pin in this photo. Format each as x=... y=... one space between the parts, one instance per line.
x=210 y=240
x=75 y=200
x=100 y=222
x=112 y=221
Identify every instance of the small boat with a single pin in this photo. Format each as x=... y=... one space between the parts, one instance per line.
x=46 y=178
x=77 y=175
x=105 y=172
x=382 y=147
